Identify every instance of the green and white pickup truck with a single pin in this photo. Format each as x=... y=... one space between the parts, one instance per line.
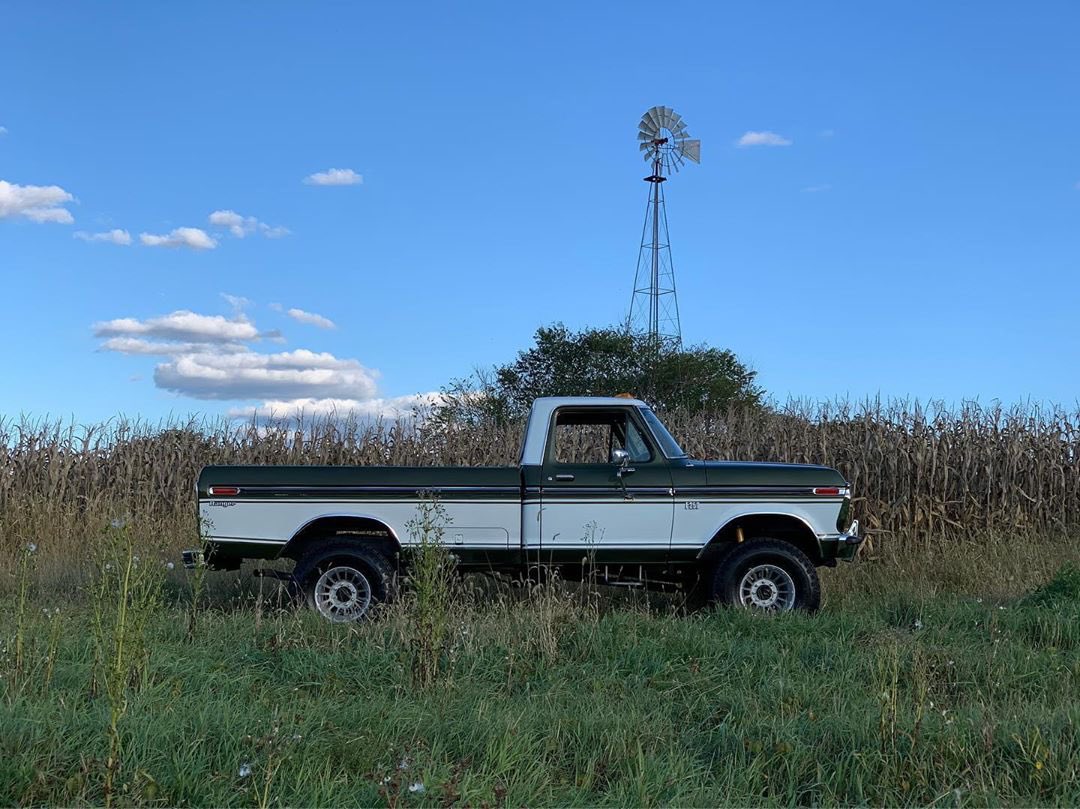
x=603 y=490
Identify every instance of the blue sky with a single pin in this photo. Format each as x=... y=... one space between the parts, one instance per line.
x=917 y=237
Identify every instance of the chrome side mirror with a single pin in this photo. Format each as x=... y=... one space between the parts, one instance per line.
x=620 y=457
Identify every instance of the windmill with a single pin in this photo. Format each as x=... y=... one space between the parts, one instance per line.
x=654 y=309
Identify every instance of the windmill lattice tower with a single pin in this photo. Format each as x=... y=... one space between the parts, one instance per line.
x=654 y=307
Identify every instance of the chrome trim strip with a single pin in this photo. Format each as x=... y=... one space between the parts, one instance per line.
x=723 y=490
x=373 y=489
x=343 y=501
x=573 y=491
x=243 y=539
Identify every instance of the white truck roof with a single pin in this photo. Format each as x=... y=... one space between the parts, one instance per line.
x=540 y=416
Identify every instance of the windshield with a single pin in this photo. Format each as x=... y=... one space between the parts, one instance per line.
x=668 y=444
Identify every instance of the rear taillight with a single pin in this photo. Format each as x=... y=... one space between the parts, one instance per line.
x=827 y=491
x=223 y=491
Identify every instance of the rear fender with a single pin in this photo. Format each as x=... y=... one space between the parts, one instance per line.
x=361 y=527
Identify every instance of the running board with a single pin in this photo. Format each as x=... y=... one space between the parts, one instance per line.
x=619 y=580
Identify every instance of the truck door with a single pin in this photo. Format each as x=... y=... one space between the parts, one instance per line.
x=590 y=502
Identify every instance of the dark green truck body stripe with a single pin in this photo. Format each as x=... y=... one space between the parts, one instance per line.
x=720 y=476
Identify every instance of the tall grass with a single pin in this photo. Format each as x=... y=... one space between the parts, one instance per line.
x=923 y=475
x=895 y=700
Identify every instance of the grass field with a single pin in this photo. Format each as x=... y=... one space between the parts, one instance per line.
x=891 y=695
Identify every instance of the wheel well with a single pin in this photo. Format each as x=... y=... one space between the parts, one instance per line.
x=775 y=526
x=367 y=530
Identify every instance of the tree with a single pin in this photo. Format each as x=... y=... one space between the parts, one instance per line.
x=602 y=362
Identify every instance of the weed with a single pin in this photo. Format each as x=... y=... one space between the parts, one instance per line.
x=124 y=600
x=430 y=601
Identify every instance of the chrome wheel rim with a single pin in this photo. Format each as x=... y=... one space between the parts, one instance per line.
x=768 y=588
x=342 y=594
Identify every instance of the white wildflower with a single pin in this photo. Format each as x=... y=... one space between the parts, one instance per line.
x=245 y=770
x=417 y=788
x=31 y=547
x=169 y=565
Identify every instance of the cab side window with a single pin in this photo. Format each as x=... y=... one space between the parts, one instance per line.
x=589 y=437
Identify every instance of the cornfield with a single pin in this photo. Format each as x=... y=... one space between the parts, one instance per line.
x=921 y=474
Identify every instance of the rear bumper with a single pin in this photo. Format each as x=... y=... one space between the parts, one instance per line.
x=851 y=536
x=844 y=545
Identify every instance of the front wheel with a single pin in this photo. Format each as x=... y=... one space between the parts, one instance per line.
x=767 y=575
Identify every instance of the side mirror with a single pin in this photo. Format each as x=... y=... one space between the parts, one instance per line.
x=620 y=457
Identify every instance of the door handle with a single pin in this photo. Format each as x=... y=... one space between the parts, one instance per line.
x=564 y=477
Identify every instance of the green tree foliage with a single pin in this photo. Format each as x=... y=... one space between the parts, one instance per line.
x=602 y=362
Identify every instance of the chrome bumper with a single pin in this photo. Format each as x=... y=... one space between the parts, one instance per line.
x=851 y=536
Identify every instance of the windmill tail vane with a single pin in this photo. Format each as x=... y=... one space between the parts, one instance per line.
x=654 y=307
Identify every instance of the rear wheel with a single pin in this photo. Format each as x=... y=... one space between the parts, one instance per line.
x=767 y=575
x=344 y=582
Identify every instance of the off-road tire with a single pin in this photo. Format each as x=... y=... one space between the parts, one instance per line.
x=372 y=565
x=730 y=588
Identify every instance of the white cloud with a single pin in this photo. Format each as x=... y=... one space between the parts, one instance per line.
x=273 y=335
x=183 y=326
x=114 y=236
x=237 y=302
x=211 y=358
x=160 y=348
x=334 y=177
x=290 y=375
x=195 y=238
x=311 y=319
x=399 y=407
x=241 y=226
x=38 y=203
x=3 y=130
x=763 y=139
x=816 y=189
